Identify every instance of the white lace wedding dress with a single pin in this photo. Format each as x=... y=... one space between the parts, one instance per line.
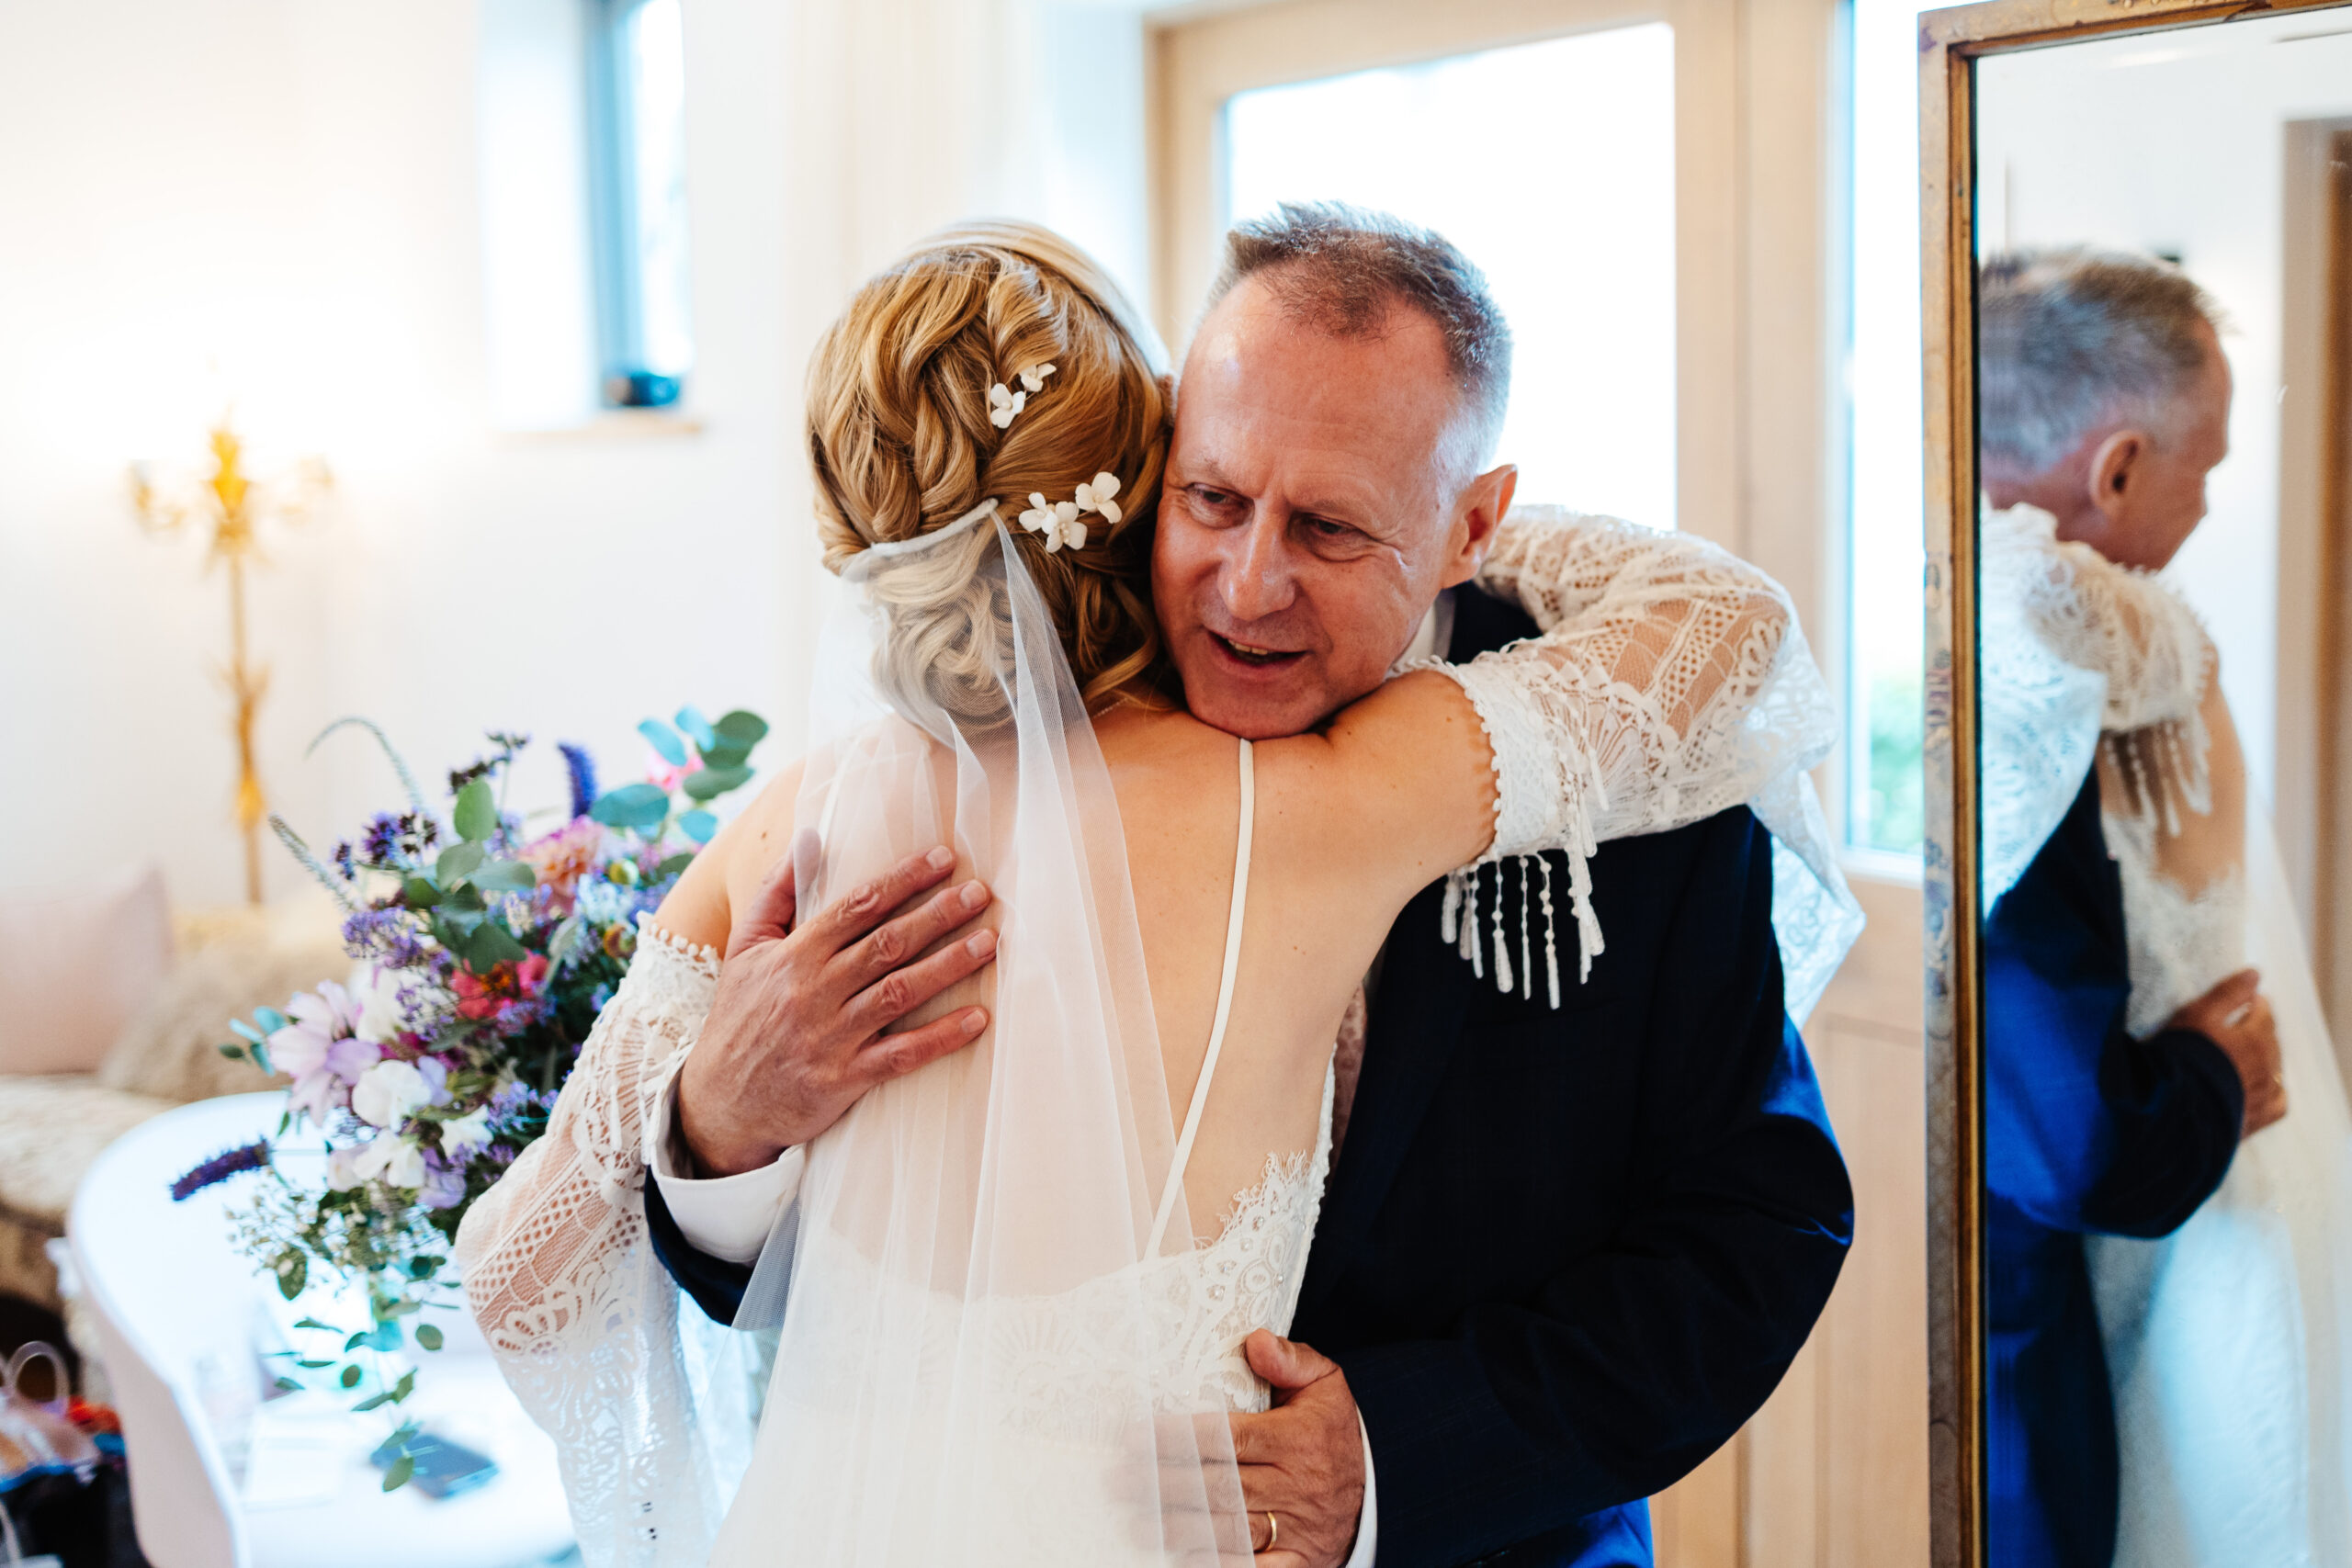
x=1655 y=696
x=2225 y=1341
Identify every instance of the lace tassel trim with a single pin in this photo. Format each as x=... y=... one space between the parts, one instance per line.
x=1458 y=922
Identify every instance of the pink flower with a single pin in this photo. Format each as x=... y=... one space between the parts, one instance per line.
x=505 y=987
x=320 y=1052
x=667 y=776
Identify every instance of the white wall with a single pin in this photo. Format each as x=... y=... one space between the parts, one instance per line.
x=281 y=200
x=2175 y=143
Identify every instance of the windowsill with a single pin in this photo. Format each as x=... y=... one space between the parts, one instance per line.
x=1882 y=866
x=614 y=424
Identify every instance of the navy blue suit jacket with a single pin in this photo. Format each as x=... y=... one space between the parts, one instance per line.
x=2086 y=1130
x=1563 y=1255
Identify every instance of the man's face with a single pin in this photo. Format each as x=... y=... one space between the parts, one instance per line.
x=2146 y=494
x=1311 y=514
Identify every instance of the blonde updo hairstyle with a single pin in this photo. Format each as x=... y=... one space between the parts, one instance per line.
x=900 y=439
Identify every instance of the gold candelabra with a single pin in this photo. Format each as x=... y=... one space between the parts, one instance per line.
x=230 y=503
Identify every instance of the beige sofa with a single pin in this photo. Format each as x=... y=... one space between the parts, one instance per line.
x=224 y=964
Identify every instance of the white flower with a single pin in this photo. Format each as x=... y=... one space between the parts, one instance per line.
x=343 y=1174
x=381 y=1016
x=387 y=1092
x=1096 y=497
x=1034 y=377
x=463 y=1136
x=1057 y=520
x=1003 y=403
x=394 y=1158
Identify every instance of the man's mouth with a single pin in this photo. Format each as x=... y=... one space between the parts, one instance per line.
x=1252 y=655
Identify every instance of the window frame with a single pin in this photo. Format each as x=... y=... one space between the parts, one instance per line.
x=625 y=377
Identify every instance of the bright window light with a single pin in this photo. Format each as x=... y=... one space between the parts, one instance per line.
x=1886 y=807
x=1552 y=166
x=638 y=153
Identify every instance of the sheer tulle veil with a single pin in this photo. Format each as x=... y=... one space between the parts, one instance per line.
x=966 y=1326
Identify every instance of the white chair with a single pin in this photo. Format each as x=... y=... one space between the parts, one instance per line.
x=173 y=1301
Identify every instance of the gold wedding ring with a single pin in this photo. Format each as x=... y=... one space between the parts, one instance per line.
x=1273 y=1529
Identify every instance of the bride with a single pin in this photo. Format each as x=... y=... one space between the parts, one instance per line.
x=1005 y=1312
x=2225 y=1340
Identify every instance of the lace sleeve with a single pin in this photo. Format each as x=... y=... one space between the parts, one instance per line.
x=558 y=1272
x=2121 y=622
x=1670 y=682
x=2073 y=645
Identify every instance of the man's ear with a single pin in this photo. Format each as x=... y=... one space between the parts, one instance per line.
x=1478 y=512
x=2114 y=471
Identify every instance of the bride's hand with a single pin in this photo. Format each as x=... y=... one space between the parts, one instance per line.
x=795 y=1035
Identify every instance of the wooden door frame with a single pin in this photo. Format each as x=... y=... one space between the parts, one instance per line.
x=1950 y=43
x=2312 y=798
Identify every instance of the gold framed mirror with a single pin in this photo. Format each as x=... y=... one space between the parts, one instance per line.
x=2267 y=588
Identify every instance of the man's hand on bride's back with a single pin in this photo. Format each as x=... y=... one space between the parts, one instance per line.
x=2235 y=1016
x=796 y=1033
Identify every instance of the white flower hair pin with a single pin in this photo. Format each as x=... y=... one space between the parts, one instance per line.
x=1005 y=402
x=1058 y=520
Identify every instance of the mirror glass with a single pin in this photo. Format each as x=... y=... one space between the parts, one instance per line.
x=2164 y=389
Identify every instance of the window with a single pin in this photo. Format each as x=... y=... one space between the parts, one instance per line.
x=638 y=180
x=1526 y=157
x=1886 y=803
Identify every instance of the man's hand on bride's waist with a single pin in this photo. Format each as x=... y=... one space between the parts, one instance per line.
x=796 y=1032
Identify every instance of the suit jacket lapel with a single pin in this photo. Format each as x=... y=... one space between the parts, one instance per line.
x=1417 y=1017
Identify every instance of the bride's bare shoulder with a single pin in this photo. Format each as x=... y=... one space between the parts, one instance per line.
x=725 y=875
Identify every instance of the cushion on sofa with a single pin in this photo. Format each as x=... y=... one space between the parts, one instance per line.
x=75 y=967
x=171 y=1050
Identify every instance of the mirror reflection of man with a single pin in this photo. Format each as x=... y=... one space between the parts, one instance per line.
x=2104 y=398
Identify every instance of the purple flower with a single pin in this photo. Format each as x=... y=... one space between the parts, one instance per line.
x=582 y=768
x=443 y=1187
x=219 y=1167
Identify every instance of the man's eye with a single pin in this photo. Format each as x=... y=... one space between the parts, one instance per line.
x=1325 y=528
x=1215 y=500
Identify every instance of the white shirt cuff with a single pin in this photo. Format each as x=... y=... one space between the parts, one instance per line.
x=1367 y=1523
x=727 y=1217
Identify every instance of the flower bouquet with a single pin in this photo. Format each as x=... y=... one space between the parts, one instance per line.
x=487 y=951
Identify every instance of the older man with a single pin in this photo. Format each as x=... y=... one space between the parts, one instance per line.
x=1563 y=1255
x=2106 y=401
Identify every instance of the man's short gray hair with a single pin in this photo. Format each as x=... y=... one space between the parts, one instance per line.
x=1341 y=269
x=2070 y=340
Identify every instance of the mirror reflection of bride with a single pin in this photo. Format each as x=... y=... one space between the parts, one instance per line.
x=1007 y=1270
x=2225 y=1339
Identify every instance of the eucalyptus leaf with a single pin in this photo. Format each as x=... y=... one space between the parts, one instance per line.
x=742 y=728
x=350 y=1378
x=699 y=826
x=233 y=1051
x=466 y=898
x=665 y=740
x=246 y=1030
x=475 y=814
x=456 y=862
x=726 y=756
x=397 y=1474
x=429 y=1336
x=419 y=893
x=698 y=728
x=493 y=944
x=676 y=864
x=313 y=1366
x=406 y=1386
x=292 y=1274
x=638 y=806
x=357 y=1340
x=506 y=876
x=385 y=1337
x=270 y=1020
x=372 y=1402
x=712 y=783
x=566 y=941
x=289 y=1385
x=313 y=1323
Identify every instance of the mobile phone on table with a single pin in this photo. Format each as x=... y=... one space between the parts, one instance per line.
x=444 y=1468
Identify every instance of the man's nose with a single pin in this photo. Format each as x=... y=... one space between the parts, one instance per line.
x=1257 y=581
